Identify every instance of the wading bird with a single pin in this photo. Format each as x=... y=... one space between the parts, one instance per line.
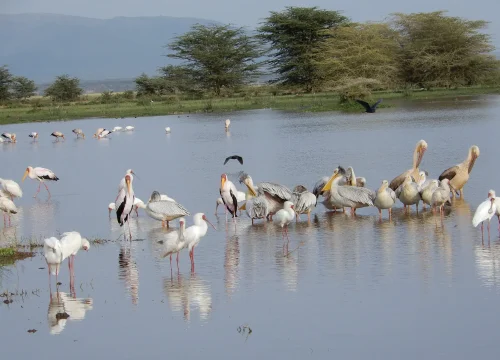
x=175 y=242
x=234 y=157
x=459 y=174
x=228 y=193
x=117 y=128
x=492 y=194
x=10 y=137
x=369 y=108
x=283 y=217
x=8 y=207
x=58 y=135
x=129 y=128
x=441 y=196
x=240 y=197
x=41 y=175
x=78 y=133
x=104 y=133
x=138 y=203
x=167 y=130
x=385 y=198
x=304 y=201
x=33 y=135
x=124 y=202
x=194 y=233
x=227 y=124
x=164 y=210
x=408 y=193
x=418 y=154
x=485 y=211
x=98 y=131
x=11 y=189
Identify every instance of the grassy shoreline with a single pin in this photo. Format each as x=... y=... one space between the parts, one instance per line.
x=41 y=109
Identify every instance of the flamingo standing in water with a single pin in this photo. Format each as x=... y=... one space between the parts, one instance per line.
x=41 y=175
x=194 y=233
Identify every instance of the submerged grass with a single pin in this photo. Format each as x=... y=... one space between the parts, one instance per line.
x=10 y=255
x=44 y=110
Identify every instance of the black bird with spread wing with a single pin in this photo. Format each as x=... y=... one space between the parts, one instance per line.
x=369 y=108
x=234 y=157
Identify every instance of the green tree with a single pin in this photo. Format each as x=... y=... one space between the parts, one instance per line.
x=150 y=85
x=22 y=88
x=5 y=81
x=440 y=50
x=359 y=51
x=179 y=79
x=64 y=88
x=217 y=56
x=293 y=35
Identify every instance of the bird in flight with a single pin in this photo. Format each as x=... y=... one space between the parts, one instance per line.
x=235 y=157
x=369 y=108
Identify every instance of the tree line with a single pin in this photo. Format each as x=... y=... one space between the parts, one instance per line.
x=311 y=49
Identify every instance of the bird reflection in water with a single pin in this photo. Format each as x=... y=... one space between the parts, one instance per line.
x=488 y=263
x=10 y=235
x=40 y=216
x=184 y=294
x=64 y=307
x=231 y=263
x=128 y=271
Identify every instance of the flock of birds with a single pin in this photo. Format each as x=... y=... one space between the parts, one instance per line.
x=265 y=200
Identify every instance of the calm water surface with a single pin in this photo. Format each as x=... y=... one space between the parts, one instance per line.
x=354 y=288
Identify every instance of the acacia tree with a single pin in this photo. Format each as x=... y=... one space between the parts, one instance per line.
x=293 y=35
x=5 y=81
x=64 y=88
x=440 y=50
x=22 y=88
x=217 y=56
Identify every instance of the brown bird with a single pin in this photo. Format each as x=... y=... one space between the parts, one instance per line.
x=57 y=135
x=418 y=154
x=459 y=174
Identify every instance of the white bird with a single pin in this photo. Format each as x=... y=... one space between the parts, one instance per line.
x=124 y=202
x=164 y=210
x=283 y=217
x=33 y=135
x=304 y=201
x=427 y=191
x=9 y=188
x=492 y=194
x=122 y=182
x=240 y=196
x=8 y=207
x=227 y=124
x=138 y=203
x=41 y=175
x=129 y=128
x=78 y=133
x=104 y=133
x=10 y=137
x=58 y=135
x=167 y=130
x=228 y=193
x=117 y=128
x=441 y=195
x=71 y=243
x=408 y=193
x=485 y=211
x=385 y=198
x=175 y=242
x=98 y=131
x=194 y=233
x=53 y=253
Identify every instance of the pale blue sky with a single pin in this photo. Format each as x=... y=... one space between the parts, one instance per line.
x=250 y=12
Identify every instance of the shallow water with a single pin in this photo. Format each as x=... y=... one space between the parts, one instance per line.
x=353 y=287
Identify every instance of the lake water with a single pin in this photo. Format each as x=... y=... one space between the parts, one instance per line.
x=355 y=288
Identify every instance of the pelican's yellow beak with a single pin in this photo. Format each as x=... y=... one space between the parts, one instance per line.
x=328 y=185
x=222 y=182
x=24 y=176
x=251 y=190
x=243 y=207
x=127 y=181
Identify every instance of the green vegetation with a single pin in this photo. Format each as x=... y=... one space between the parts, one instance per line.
x=319 y=60
x=10 y=255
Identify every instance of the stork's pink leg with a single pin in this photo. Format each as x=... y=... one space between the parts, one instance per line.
x=47 y=189
x=39 y=184
x=498 y=223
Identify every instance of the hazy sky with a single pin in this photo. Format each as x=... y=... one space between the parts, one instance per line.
x=250 y=12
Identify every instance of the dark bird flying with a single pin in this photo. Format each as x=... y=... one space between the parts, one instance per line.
x=368 y=108
x=235 y=157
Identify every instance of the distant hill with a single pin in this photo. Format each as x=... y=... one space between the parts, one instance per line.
x=42 y=46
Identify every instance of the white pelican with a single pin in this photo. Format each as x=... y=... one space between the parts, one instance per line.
x=164 y=210
x=9 y=188
x=167 y=130
x=492 y=194
x=441 y=195
x=98 y=131
x=427 y=191
x=8 y=207
x=41 y=175
x=165 y=197
x=352 y=180
x=104 y=133
x=240 y=197
x=408 y=193
x=125 y=202
x=385 y=198
x=459 y=174
x=283 y=217
x=275 y=194
x=117 y=128
x=78 y=133
x=347 y=196
x=304 y=201
x=10 y=137
x=228 y=193
x=327 y=201
x=194 y=233
x=175 y=242
x=129 y=128
x=33 y=135
x=418 y=154
x=485 y=211
x=227 y=124
x=138 y=203
x=57 y=135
